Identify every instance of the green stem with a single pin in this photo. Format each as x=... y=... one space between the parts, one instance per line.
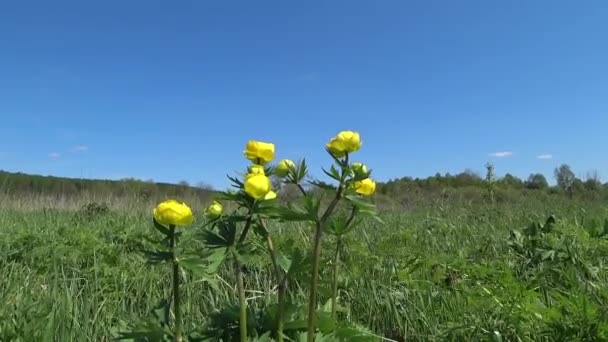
x=335 y=277
x=176 y=308
x=301 y=189
x=312 y=298
x=281 y=281
x=334 y=296
x=242 y=300
x=240 y=282
x=281 y=284
x=316 y=255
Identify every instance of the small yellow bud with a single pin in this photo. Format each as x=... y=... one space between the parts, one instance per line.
x=214 y=210
x=283 y=167
x=172 y=212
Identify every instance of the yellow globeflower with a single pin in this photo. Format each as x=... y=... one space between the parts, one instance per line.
x=345 y=141
x=283 y=167
x=257 y=186
x=172 y=212
x=259 y=152
x=214 y=210
x=366 y=187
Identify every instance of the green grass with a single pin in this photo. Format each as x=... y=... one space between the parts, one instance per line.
x=457 y=273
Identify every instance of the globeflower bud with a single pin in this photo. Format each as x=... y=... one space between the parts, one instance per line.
x=214 y=210
x=283 y=167
x=360 y=170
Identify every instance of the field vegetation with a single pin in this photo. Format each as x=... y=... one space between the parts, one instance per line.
x=451 y=258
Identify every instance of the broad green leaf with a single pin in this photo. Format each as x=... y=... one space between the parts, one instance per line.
x=284 y=263
x=198 y=265
x=325 y=322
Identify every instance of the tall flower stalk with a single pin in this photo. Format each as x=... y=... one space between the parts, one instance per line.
x=172 y=213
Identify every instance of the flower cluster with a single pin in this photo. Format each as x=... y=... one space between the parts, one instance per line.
x=257 y=184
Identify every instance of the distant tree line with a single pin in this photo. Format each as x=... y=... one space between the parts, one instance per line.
x=567 y=185
x=24 y=184
x=463 y=186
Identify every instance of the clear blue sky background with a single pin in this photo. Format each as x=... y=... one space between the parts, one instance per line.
x=172 y=90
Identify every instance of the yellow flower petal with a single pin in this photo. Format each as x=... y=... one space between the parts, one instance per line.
x=270 y=195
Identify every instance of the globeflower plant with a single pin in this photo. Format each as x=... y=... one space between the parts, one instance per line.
x=249 y=228
x=257 y=205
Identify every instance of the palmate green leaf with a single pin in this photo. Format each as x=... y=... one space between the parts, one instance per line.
x=237 y=183
x=224 y=238
x=203 y=266
x=319 y=337
x=284 y=263
x=337 y=225
x=332 y=173
x=323 y=185
x=364 y=207
x=148 y=330
x=157 y=257
x=262 y=338
x=292 y=213
x=259 y=230
x=301 y=171
x=164 y=230
x=312 y=205
x=244 y=253
x=352 y=334
x=325 y=322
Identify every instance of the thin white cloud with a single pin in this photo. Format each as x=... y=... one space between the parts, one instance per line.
x=545 y=156
x=79 y=148
x=309 y=76
x=502 y=154
x=54 y=155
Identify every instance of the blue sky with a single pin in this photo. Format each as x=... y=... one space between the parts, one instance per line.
x=173 y=90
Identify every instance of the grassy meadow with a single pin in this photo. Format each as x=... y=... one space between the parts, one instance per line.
x=526 y=270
